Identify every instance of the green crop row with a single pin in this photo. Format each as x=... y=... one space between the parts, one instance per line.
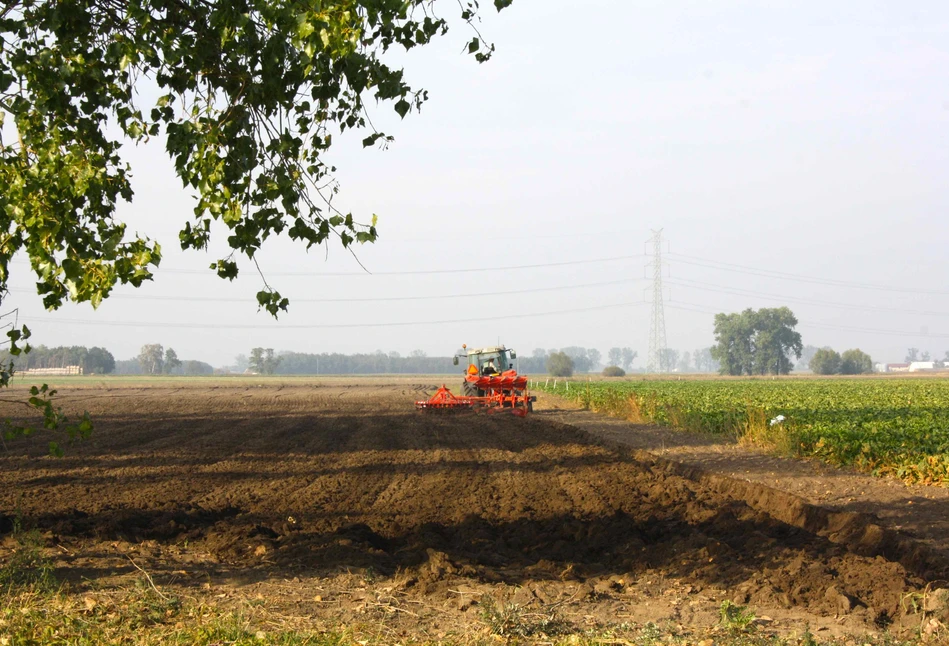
x=894 y=427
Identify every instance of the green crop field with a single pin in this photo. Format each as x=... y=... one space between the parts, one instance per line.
x=894 y=427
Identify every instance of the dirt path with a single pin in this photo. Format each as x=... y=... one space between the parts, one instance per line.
x=362 y=502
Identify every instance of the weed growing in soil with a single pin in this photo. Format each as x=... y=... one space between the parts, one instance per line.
x=737 y=619
x=508 y=619
x=27 y=569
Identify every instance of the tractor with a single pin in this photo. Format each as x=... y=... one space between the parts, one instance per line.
x=490 y=382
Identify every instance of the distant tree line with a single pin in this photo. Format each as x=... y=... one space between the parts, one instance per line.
x=700 y=360
x=265 y=361
x=93 y=360
x=913 y=354
x=155 y=359
x=334 y=363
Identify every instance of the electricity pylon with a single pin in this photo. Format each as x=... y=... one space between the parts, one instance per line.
x=657 y=325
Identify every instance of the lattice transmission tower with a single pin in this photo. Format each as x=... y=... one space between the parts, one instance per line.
x=657 y=325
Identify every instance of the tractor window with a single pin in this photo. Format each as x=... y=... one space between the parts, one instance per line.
x=500 y=360
x=496 y=359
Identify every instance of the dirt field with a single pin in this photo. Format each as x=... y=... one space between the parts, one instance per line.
x=337 y=503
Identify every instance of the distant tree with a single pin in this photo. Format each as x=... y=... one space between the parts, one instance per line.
x=394 y=355
x=418 y=354
x=594 y=356
x=855 y=362
x=256 y=361
x=807 y=353
x=171 y=361
x=703 y=360
x=128 y=367
x=734 y=335
x=912 y=355
x=580 y=356
x=613 y=371
x=559 y=364
x=98 y=361
x=685 y=362
x=540 y=353
x=628 y=357
x=151 y=358
x=270 y=362
x=241 y=363
x=925 y=356
x=756 y=342
x=192 y=367
x=776 y=341
x=668 y=359
x=825 y=362
x=614 y=356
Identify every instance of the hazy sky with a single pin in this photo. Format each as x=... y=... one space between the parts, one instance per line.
x=798 y=140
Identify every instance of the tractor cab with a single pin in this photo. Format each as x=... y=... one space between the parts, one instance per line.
x=488 y=361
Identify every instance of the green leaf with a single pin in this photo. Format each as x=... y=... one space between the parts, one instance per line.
x=403 y=107
x=225 y=269
x=474 y=45
x=305 y=27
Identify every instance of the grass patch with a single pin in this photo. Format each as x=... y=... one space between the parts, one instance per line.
x=27 y=569
x=138 y=617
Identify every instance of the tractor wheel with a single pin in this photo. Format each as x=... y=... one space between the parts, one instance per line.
x=469 y=389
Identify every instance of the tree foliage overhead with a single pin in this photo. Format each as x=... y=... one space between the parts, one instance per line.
x=756 y=342
x=250 y=95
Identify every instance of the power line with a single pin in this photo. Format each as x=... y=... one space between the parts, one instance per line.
x=212 y=299
x=280 y=326
x=807 y=301
x=593 y=233
x=702 y=309
x=769 y=273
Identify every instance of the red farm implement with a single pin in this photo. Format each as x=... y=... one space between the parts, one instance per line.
x=506 y=392
x=490 y=383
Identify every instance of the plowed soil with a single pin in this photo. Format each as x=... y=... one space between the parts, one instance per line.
x=341 y=502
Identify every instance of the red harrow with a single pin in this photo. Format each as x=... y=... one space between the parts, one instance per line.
x=506 y=392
